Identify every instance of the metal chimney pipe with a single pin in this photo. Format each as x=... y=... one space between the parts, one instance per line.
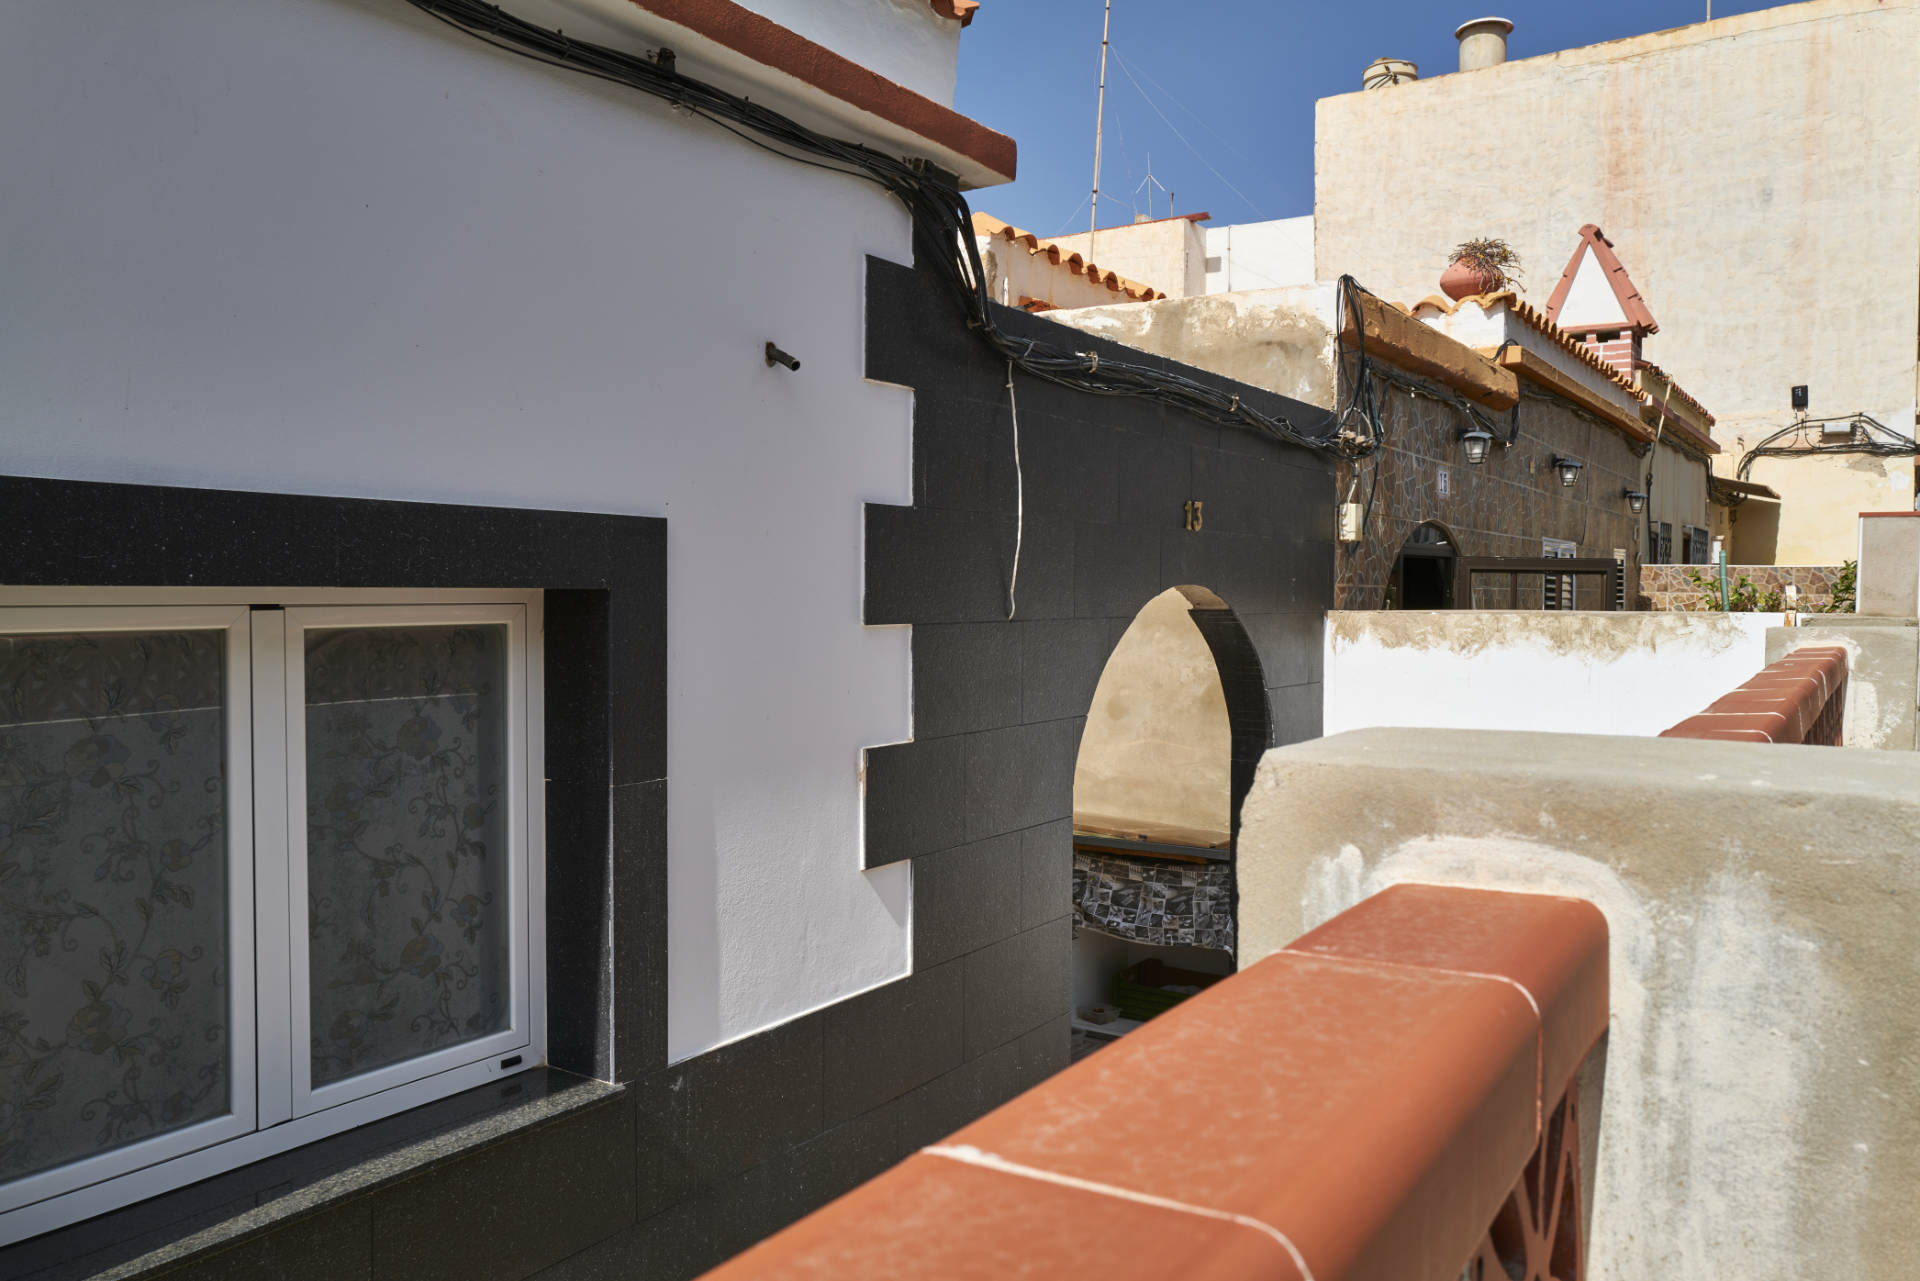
x=1483 y=42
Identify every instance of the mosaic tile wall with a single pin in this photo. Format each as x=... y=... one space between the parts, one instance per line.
x=1668 y=587
x=1503 y=507
x=1154 y=900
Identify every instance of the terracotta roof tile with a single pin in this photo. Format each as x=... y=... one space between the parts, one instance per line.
x=1132 y=290
x=960 y=11
x=1680 y=393
x=1701 y=442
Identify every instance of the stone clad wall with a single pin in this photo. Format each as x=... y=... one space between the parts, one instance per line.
x=1503 y=507
x=1670 y=587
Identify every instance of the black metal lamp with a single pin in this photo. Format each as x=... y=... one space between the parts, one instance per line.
x=1569 y=469
x=1476 y=441
x=1636 y=500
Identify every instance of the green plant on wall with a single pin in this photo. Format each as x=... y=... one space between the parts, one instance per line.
x=1842 y=602
x=1742 y=598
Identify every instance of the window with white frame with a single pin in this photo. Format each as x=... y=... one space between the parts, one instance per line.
x=265 y=874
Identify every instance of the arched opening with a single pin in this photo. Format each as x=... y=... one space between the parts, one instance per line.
x=1423 y=572
x=1174 y=733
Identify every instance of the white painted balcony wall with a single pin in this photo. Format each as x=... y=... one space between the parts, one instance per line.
x=333 y=247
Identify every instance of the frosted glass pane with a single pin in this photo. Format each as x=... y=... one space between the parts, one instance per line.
x=113 y=891
x=407 y=858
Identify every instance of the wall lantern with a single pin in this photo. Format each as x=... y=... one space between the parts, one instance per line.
x=1636 y=500
x=1476 y=442
x=1569 y=469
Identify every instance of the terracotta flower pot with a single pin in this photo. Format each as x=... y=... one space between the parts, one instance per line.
x=1464 y=280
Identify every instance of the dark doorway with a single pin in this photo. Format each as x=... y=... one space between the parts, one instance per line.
x=1423 y=574
x=1174 y=733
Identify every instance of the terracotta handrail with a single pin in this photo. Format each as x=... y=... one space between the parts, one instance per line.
x=1384 y=1100
x=1800 y=699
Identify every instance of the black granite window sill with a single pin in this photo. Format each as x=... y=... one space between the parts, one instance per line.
x=216 y=1213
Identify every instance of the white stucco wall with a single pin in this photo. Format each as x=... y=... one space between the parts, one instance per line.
x=331 y=247
x=1259 y=255
x=1756 y=174
x=1569 y=673
x=903 y=40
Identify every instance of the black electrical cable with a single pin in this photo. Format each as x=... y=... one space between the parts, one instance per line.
x=942 y=230
x=1866 y=435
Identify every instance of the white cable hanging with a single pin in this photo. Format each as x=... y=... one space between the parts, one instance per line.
x=1019 y=495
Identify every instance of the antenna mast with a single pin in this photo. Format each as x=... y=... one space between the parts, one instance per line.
x=1099 y=118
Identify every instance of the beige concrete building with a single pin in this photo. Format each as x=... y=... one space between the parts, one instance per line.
x=1760 y=173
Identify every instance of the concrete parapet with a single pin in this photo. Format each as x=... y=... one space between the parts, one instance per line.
x=1883 y=676
x=1760 y=1066
x=1889 y=574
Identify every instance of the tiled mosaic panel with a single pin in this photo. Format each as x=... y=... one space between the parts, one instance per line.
x=1151 y=900
x=1504 y=506
x=1669 y=587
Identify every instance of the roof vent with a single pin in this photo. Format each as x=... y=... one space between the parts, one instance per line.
x=1483 y=42
x=1382 y=72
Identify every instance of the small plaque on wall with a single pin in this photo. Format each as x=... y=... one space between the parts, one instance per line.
x=1443 y=479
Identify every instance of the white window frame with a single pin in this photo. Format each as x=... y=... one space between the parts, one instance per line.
x=512 y=1039
x=237 y=765
x=265 y=655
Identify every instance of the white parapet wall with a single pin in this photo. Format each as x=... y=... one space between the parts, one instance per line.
x=1574 y=673
x=1756 y=1118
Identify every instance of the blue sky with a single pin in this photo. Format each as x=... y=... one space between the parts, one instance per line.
x=1219 y=93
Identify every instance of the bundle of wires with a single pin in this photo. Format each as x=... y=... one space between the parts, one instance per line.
x=942 y=228
x=1864 y=435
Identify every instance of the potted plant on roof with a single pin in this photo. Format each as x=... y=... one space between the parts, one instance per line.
x=1483 y=266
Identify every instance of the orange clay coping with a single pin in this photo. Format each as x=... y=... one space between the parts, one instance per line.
x=1357 y=1107
x=1131 y=290
x=960 y=11
x=1785 y=703
x=1537 y=321
x=767 y=42
x=1421 y=349
x=1535 y=368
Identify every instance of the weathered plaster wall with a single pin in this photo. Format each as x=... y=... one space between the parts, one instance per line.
x=1272 y=338
x=1156 y=749
x=1820 y=498
x=1573 y=673
x=1712 y=155
x=1756 y=1119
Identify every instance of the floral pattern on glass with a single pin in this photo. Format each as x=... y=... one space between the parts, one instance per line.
x=407 y=859
x=113 y=891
